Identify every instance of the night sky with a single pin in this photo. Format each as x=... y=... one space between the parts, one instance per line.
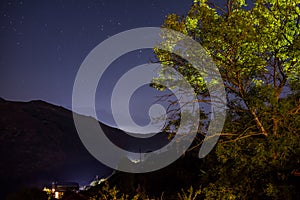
x=43 y=44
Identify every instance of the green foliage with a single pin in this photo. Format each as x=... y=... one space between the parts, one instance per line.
x=253 y=164
x=190 y=194
x=257 y=52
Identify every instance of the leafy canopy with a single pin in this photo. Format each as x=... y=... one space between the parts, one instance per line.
x=257 y=51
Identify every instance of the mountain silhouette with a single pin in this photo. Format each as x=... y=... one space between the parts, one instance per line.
x=39 y=143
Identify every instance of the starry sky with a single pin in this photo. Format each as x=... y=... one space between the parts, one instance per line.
x=43 y=44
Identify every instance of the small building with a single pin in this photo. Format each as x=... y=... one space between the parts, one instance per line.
x=60 y=188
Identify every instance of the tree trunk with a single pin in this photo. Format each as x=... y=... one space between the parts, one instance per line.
x=258 y=123
x=275 y=124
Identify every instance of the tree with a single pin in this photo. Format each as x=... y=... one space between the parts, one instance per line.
x=257 y=51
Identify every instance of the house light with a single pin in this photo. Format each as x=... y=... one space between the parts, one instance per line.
x=56 y=195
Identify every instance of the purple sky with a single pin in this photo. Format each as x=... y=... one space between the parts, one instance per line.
x=43 y=44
